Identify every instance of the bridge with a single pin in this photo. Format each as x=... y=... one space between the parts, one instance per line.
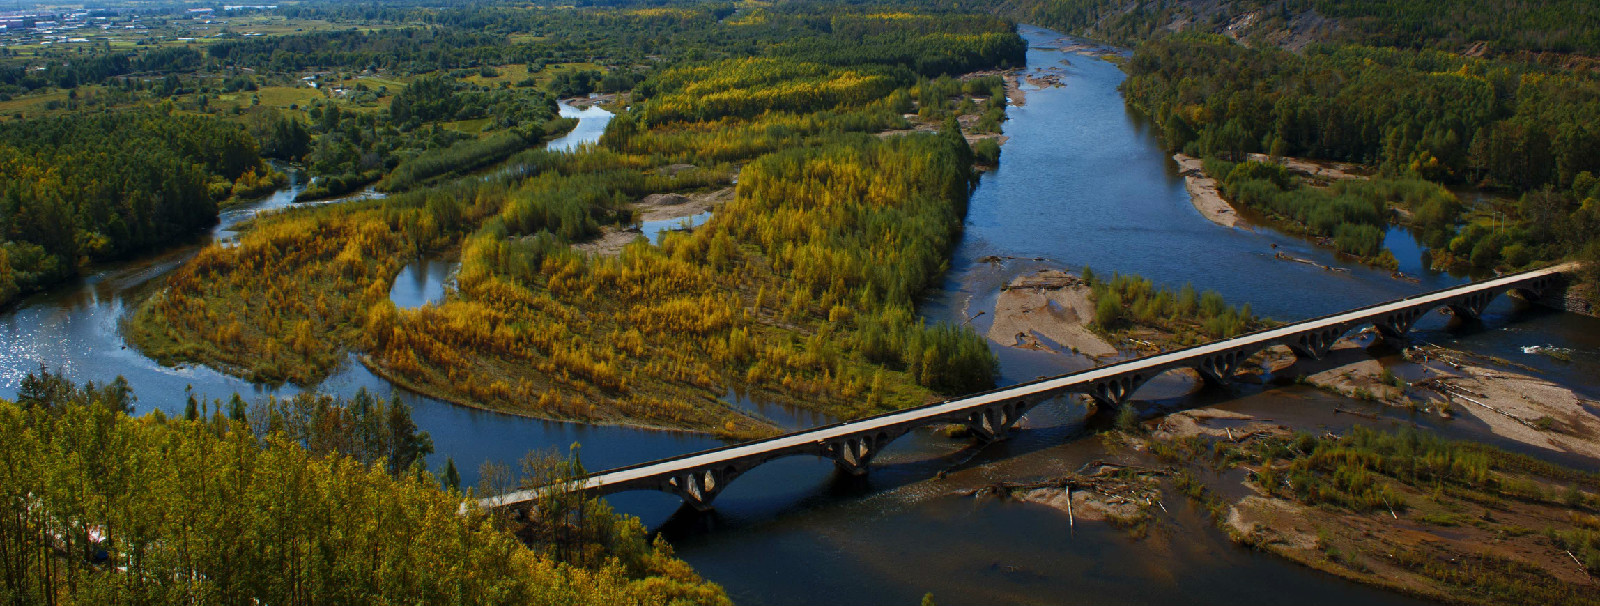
x=697 y=478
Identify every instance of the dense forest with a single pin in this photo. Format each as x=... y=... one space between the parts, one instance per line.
x=285 y=502
x=86 y=188
x=799 y=289
x=1382 y=85
x=1499 y=26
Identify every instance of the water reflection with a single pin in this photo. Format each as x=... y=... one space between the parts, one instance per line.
x=592 y=123
x=653 y=229
x=422 y=282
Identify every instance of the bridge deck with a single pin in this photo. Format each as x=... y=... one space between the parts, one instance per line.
x=1039 y=388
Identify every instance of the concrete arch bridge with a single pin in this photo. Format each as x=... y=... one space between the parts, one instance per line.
x=698 y=478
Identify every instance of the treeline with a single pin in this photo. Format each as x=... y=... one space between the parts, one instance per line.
x=746 y=88
x=1485 y=26
x=467 y=156
x=104 y=507
x=345 y=150
x=408 y=49
x=473 y=36
x=438 y=97
x=799 y=289
x=95 y=68
x=1440 y=116
x=1539 y=226
x=932 y=50
x=286 y=302
x=1561 y=26
x=98 y=187
x=1413 y=114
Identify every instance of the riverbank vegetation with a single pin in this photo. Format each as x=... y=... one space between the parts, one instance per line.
x=105 y=507
x=1503 y=125
x=1494 y=27
x=1130 y=308
x=1350 y=215
x=1402 y=508
x=1490 y=95
x=1545 y=547
x=1414 y=115
x=800 y=289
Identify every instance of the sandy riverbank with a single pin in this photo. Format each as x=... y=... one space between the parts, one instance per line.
x=1013 y=79
x=1049 y=305
x=1510 y=403
x=1204 y=194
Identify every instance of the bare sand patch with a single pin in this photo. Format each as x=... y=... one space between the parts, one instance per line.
x=1203 y=192
x=664 y=207
x=1517 y=406
x=1100 y=492
x=1197 y=423
x=1268 y=521
x=654 y=207
x=1050 y=304
x=1511 y=403
x=1316 y=169
x=610 y=242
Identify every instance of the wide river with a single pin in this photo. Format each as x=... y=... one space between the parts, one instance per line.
x=1082 y=181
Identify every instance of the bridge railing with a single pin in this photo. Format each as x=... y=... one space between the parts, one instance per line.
x=1025 y=384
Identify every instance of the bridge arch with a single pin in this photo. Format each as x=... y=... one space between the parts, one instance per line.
x=698 y=478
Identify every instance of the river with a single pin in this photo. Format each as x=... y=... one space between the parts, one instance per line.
x=1082 y=181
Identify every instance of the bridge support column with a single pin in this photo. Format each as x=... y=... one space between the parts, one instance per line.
x=1471 y=305
x=992 y=423
x=698 y=488
x=853 y=455
x=1218 y=369
x=1116 y=391
x=1395 y=326
x=1538 y=288
x=1314 y=344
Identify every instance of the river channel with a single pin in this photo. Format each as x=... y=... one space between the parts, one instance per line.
x=1082 y=181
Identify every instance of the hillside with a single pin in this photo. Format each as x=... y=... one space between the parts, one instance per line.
x=1476 y=27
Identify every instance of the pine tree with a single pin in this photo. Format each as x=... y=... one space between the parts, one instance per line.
x=408 y=445
x=452 y=479
x=236 y=408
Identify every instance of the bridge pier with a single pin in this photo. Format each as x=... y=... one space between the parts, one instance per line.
x=992 y=423
x=1471 y=305
x=1397 y=325
x=1314 y=344
x=1538 y=288
x=699 y=487
x=852 y=455
x=1116 y=391
x=1218 y=369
